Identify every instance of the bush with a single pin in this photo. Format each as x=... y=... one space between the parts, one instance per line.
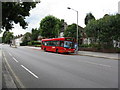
x=23 y=43
x=97 y=46
x=29 y=43
x=37 y=45
x=85 y=45
x=118 y=50
x=33 y=43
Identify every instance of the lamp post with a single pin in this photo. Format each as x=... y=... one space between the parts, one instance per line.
x=77 y=26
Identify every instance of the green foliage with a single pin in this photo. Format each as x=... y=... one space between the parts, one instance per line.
x=71 y=31
x=49 y=27
x=35 y=34
x=37 y=45
x=88 y=18
x=34 y=43
x=29 y=43
x=26 y=38
x=15 y=12
x=104 y=30
x=85 y=45
x=118 y=50
x=97 y=46
x=7 y=37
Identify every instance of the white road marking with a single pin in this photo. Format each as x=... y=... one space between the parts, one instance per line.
x=3 y=54
x=10 y=54
x=15 y=59
x=17 y=79
x=98 y=64
x=30 y=71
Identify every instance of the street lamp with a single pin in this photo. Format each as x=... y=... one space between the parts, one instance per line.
x=77 y=25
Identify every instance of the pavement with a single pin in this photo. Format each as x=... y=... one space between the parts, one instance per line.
x=8 y=81
x=115 y=56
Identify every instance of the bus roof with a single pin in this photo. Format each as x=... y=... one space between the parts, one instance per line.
x=60 y=39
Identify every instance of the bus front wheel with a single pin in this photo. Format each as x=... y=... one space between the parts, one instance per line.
x=45 y=49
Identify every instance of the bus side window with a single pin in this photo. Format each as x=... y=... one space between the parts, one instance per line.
x=42 y=43
x=57 y=43
x=45 y=43
x=61 y=43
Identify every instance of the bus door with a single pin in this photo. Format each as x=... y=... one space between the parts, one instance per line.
x=61 y=46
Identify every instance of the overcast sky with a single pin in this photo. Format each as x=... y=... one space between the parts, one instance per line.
x=58 y=8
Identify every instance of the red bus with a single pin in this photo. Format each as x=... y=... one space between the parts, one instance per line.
x=59 y=45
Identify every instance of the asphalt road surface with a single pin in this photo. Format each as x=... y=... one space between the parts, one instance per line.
x=39 y=69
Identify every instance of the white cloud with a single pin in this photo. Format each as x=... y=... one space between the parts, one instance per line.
x=18 y=30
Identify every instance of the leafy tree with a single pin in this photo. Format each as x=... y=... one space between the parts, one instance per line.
x=49 y=27
x=109 y=29
x=15 y=12
x=88 y=18
x=26 y=38
x=105 y=30
x=7 y=37
x=35 y=34
x=71 y=31
x=92 y=31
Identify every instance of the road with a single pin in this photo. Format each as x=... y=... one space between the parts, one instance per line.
x=39 y=69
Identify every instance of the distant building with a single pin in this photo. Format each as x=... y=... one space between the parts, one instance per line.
x=116 y=44
x=39 y=38
x=17 y=40
x=64 y=26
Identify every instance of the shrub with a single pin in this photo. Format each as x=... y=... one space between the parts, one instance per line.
x=97 y=46
x=23 y=43
x=37 y=45
x=84 y=45
x=29 y=43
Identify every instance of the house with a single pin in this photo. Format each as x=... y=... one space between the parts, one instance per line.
x=17 y=40
x=116 y=44
x=64 y=26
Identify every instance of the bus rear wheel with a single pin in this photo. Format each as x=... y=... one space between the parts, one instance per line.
x=56 y=50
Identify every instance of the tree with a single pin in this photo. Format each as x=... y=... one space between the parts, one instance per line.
x=88 y=18
x=15 y=12
x=71 y=31
x=35 y=33
x=49 y=27
x=110 y=29
x=26 y=38
x=92 y=31
x=105 y=30
x=7 y=37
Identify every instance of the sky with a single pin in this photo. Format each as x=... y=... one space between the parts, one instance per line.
x=58 y=8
